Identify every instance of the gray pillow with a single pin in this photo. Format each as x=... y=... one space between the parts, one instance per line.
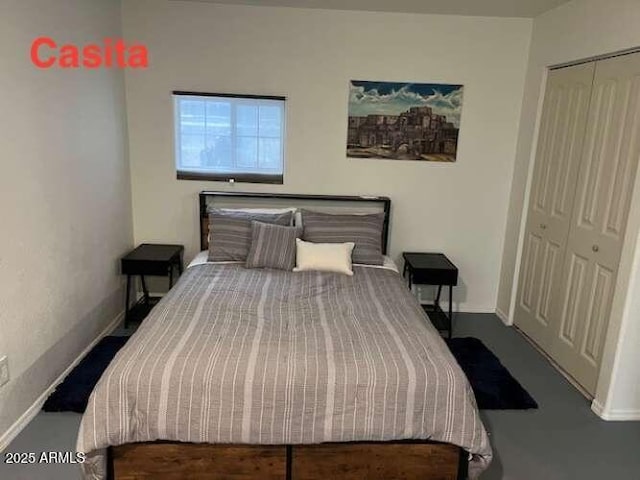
x=230 y=232
x=273 y=246
x=363 y=230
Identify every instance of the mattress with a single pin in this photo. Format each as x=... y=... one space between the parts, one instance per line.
x=260 y=356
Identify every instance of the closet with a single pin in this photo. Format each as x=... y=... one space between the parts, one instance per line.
x=586 y=161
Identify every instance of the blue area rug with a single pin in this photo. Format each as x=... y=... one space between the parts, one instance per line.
x=493 y=385
x=73 y=393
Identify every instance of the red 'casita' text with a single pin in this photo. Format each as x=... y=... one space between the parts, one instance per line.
x=46 y=53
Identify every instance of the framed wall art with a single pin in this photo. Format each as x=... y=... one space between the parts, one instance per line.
x=404 y=121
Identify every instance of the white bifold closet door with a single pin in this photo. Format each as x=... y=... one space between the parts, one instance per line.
x=558 y=156
x=605 y=183
x=573 y=275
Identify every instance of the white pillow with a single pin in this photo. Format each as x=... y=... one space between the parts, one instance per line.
x=324 y=257
x=260 y=210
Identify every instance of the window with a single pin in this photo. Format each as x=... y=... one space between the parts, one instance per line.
x=229 y=137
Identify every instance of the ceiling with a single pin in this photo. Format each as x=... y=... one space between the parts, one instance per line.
x=488 y=8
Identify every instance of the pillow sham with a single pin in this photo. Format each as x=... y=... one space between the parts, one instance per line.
x=293 y=210
x=255 y=210
x=365 y=231
x=324 y=257
x=272 y=246
x=230 y=232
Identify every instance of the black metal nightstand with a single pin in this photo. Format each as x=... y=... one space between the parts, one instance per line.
x=149 y=259
x=433 y=269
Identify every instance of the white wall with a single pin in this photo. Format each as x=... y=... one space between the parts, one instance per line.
x=64 y=196
x=579 y=30
x=310 y=56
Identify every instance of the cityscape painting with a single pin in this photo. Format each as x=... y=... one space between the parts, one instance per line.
x=404 y=121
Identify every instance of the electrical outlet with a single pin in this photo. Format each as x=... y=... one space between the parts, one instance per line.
x=4 y=370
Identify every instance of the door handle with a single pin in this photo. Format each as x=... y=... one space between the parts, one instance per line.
x=595 y=248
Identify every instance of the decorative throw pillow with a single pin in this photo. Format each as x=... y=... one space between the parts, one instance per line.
x=273 y=246
x=324 y=257
x=230 y=232
x=365 y=231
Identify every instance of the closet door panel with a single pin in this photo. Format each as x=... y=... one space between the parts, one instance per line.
x=530 y=262
x=603 y=281
x=552 y=261
x=574 y=289
x=604 y=186
x=553 y=186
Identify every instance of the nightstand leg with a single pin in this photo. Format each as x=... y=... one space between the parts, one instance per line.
x=170 y=276
x=450 y=310
x=145 y=292
x=437 y=302
x=407 y=274
x=126 y=304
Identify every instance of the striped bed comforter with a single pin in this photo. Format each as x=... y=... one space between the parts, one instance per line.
x=236 y=355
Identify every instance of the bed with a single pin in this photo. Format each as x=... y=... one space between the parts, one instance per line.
x=258 y=373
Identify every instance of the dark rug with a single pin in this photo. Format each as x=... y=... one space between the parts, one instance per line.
x=493 y=385
x=73 y=393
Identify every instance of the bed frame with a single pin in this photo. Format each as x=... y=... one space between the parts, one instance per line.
x=294 y=200
x=405 y=459
x=408 y=460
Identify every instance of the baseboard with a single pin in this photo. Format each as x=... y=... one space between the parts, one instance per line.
x=14 y=430
x=502 y=316
x=615 y=415
x=460 y=309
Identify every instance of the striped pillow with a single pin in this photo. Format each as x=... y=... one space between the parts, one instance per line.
x=363 y=230
x=230 y=232
x=273 y=246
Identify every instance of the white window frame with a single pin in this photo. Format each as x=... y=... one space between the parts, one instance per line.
x=234 y=173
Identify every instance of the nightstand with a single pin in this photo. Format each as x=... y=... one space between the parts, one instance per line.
x=149 y=259
x=433 y=269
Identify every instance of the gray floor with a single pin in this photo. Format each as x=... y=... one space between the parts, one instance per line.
x=561 y=440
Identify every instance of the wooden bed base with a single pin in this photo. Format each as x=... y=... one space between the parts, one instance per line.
x=407 y=460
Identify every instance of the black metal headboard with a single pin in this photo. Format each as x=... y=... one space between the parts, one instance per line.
x=384 y=201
